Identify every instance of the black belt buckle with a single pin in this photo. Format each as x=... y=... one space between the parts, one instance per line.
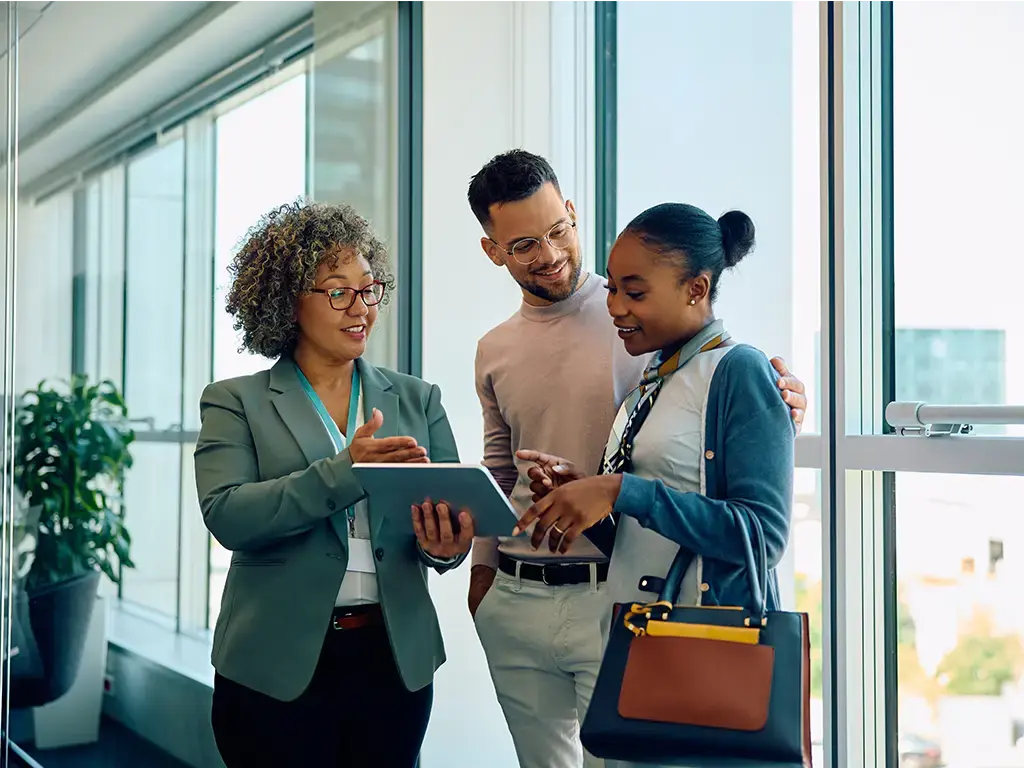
x=564 y=574
x=544 y=576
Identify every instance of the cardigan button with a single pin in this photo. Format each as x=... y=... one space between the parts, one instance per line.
x=704 y=587
x=379 y=554
x=331 y=505
x=709 y=455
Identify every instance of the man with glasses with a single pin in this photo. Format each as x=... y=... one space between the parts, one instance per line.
x=549 y=378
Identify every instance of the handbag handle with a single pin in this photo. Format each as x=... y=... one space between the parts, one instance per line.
x=757 y=570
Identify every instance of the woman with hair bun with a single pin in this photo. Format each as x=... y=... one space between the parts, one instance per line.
x=702 y=448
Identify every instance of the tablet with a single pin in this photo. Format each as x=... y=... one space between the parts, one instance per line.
x=461 y=486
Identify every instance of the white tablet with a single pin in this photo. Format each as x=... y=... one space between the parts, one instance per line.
x=461 y=486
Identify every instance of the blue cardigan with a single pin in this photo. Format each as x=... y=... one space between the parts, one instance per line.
x=748 y=449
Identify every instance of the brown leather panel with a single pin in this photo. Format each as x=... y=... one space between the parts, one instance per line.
x=693 y=681
x=805 y=697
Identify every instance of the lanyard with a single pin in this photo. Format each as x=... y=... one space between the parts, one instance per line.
x=340 y=443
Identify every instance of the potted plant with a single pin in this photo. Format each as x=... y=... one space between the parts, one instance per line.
x=70 y=460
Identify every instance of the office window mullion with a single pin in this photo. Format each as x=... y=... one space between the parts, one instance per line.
x=196 y=363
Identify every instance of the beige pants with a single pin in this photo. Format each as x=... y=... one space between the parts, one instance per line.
x=543 y=647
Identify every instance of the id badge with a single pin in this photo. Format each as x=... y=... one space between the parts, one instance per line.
x=360 y=556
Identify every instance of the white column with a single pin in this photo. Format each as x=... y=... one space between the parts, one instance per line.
x=491 y=66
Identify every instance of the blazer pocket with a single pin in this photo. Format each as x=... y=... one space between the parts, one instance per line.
x=255 y=562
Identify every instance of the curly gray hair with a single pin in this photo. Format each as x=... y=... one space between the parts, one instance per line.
x=277 y=263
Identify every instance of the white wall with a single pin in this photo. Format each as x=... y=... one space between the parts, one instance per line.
x=489 y=85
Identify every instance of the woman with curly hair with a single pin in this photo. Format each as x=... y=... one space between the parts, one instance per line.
x=327 y=640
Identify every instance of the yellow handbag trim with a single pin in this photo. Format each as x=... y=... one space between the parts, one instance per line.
x=746 y=635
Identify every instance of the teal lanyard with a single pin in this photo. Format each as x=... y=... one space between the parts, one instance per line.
x=340 y=443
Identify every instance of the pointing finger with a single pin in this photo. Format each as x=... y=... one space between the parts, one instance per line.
x=531 y=515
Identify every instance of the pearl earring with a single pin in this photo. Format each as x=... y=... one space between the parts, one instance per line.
x=692 y=302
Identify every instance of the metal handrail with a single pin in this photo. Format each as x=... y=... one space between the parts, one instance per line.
x=908 y=418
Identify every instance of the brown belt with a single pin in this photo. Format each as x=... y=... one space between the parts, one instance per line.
x=357 y=616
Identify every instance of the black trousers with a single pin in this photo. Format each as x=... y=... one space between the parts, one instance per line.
x=356 y=712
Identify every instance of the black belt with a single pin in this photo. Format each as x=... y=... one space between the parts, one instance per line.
x=552 y=574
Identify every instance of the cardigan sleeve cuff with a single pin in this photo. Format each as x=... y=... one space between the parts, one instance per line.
x=636 y=498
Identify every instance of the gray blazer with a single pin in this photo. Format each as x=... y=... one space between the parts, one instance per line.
x=273 y=491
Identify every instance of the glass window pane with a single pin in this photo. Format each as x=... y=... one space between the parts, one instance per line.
x=960 y=633
x=251 y=181
x=958 y=161
x=800 y=582
x=261 y=164
x=718 y=107
x=154 y=284
x=354 y=156
x=152 y=503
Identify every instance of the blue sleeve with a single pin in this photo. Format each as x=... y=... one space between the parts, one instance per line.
x=757 y=451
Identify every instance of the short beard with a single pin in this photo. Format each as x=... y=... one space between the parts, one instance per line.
x=545 y=294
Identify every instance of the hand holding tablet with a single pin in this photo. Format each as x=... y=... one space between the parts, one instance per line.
x=436 y=534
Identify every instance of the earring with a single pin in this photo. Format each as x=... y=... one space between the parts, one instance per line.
x=692 y=302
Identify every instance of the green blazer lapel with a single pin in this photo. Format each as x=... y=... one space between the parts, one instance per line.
x=300 y=416
x=377 y=394
x=298 y=413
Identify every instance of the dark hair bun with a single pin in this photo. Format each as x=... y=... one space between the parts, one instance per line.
x=737 y=236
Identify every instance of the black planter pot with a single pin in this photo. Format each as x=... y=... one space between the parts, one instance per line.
x=58 y=616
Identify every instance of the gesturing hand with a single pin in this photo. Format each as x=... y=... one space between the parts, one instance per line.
x=434 y=532
x=365 y=448
x=549 y=473
x=570 y=510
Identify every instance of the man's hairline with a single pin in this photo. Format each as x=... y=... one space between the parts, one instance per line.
x=487 y=227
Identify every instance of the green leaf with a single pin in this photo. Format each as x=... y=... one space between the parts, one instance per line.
x=71 y=456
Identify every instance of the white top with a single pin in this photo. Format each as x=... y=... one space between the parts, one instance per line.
x=550 y=378
x=669 y=447
x=360 y=583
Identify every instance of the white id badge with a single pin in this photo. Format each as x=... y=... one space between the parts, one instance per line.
x=360 y=556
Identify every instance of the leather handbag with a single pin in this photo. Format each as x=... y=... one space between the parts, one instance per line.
x=704 y=686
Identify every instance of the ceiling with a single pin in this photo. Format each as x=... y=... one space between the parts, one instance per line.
x=88 y=69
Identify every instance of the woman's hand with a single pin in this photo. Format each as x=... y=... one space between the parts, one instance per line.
x=549 y=473
x=367 y=449
x=435 y=533
x=570 y=510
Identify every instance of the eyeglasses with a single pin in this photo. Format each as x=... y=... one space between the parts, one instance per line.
x=527 y=250
x=343 y=298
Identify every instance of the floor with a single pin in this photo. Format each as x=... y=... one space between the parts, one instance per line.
x=118 y=747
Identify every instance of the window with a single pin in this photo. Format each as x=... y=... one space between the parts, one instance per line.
x=929 y=660
x=951 y=366
x=718 y=106
x=960 y=636
x=801 y=576
x=957 y=165
x=261 y=164
x=354 y=130
x=957 y=162
x=153 y=354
